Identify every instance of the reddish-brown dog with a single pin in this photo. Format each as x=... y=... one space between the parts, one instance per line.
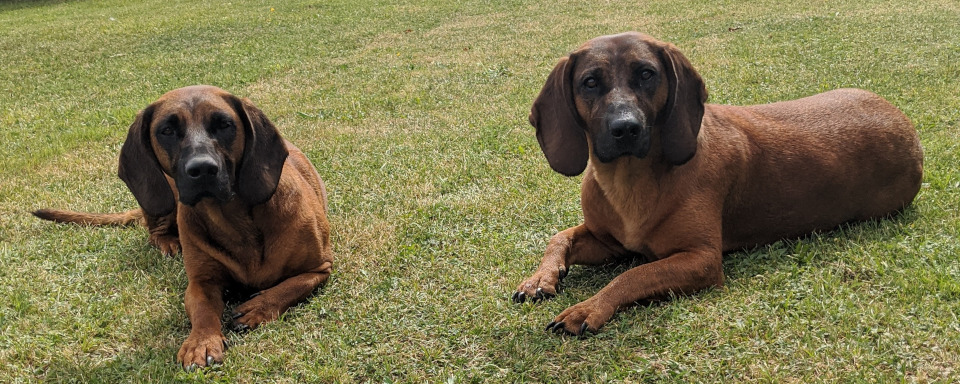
x=679 y=182
x=213 y=175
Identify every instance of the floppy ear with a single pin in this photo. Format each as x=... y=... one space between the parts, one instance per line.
x=560 y=130
x=140 y=170
x=681 y=116
x=264 y=152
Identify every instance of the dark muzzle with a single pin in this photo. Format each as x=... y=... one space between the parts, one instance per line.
x=625 y=134
x=203 y=175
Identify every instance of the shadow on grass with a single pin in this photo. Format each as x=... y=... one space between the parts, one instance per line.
x=152 y=360
x=781 y=255
x=812 y=249
x=149 y=361
x=12 y=5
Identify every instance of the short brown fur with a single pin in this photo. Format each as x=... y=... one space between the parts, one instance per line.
x=714 y=178
x=267 y=234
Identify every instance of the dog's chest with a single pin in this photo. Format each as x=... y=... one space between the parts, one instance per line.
x=234 y=241
x=614 y=212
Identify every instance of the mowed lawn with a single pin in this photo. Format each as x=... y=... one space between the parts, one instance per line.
x=415 y=114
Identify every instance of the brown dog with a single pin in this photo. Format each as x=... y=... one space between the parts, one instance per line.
x=251 y=213
x=679 y=182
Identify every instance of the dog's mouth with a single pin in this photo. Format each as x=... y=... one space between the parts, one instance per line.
x=608 y=148
x=192 y=200
x=607 y=157
x=192 y=192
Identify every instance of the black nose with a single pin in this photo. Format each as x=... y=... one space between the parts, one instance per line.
x=623 y=126
x=201 y=166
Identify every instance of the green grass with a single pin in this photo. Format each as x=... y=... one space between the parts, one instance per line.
x=441 y=203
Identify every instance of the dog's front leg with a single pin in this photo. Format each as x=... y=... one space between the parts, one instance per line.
x=576 y=245
x=681 y=273
x=267 y=305
x=206 y=344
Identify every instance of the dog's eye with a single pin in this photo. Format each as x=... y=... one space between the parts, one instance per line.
x=220 y=122
x=646 y=74
x=590 y=83
x=167 y=131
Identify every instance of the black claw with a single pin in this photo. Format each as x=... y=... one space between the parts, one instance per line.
x=519 y=297
x=541 y=295
x=255 y=295
x=583 y=328
x=562 y=273
x=550 y=325
x=190 y=368
x=226 y=344
x=558 y=327
x=209 y=361
x=237 y=315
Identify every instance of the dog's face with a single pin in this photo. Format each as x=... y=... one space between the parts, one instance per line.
x=211 y=143
x=195 y=136
x=619 y=84
x=618 y=94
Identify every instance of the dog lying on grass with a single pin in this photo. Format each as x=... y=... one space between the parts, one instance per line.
x=213 y=176
x=679 y=182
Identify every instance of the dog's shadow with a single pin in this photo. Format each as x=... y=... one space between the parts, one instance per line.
x=817 y=250
x=821 y=249
x=152 y=355
x=14 y=5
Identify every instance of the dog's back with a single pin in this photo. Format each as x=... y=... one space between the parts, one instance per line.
x=817 y=162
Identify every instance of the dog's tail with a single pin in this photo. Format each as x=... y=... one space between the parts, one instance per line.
x=131 y=217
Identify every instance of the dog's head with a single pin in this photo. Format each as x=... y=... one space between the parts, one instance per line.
x=617 y=94
x=210 y=142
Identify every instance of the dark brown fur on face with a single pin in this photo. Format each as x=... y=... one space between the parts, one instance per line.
x=213 y=175
x=680 y=182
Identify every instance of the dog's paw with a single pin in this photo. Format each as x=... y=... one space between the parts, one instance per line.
x=541 y=286
x=201 y=351
x=168 y=245
x=588 y=315
x=258 y=309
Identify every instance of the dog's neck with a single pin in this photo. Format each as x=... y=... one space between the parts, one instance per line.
x=631 y=182
x=627 y=177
